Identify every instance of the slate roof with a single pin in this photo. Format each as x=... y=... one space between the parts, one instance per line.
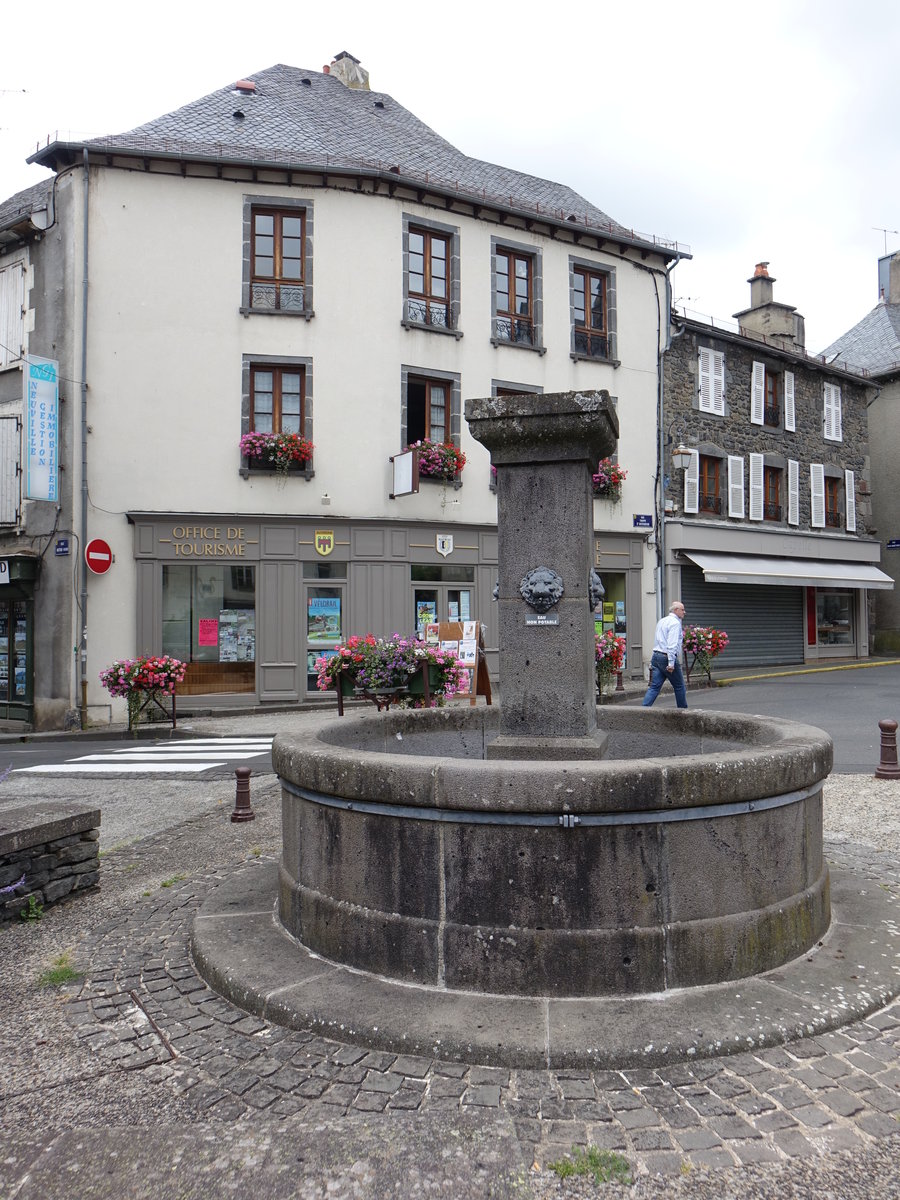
x=873 y=344
x=18 y=207
x=303 y=117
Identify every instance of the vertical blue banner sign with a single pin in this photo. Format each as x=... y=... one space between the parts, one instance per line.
x=42 y=429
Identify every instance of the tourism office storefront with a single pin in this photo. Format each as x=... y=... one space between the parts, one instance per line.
x=249 y=603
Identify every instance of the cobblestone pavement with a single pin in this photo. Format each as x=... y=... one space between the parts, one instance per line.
x=141 y=1013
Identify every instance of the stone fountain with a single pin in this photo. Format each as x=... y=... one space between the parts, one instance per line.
x=517 y=887
x=525 y=852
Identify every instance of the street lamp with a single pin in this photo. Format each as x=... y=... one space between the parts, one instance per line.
x=681 y=458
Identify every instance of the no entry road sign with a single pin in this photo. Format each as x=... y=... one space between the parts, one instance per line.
x=98 y=556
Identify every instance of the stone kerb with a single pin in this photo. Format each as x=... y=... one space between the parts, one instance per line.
x=53 y=848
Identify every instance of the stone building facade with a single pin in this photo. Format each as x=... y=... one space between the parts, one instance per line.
x=766 y=529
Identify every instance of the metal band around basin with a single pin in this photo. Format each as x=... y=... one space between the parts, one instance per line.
x=473 y=817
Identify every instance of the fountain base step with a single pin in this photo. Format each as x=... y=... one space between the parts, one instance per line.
x=244 y=953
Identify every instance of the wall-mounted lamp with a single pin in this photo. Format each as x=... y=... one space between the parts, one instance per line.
x=681 y=458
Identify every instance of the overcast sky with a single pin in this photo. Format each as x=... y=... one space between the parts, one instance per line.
x=749 y=133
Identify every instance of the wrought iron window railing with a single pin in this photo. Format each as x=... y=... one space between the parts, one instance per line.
x=771 y=512
x=427 y=312
x=594 y=345
x=772 y=415
x=709 y=504
x=514 y=329
x=833 y=519
x=278 y=297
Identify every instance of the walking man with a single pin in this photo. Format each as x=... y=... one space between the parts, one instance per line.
x=664 y=662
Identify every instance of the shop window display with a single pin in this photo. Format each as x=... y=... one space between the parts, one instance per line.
x=209 y=622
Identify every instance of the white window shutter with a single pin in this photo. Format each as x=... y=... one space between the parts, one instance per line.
x=836 y=405
x=705 y=371
x=756 y=487
x=793 y=482
x=692 y=484
x=12 y=302
x=827 y=419
x=757 y=400
x=850 y=501
x=817 y=495
x=718 y=383
x=735 y=486
x=9 y=470
x=833 y=431
x=790 y=415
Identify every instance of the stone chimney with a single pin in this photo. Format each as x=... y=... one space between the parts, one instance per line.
x=889 y=278
x=766 y=316
x=347 y=69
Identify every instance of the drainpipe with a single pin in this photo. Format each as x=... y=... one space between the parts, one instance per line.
x=661 y=606
x=84 y=477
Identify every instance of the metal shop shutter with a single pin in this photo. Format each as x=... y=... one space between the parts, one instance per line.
x=764 y=623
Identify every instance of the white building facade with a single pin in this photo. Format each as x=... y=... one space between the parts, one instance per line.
x=241 y=279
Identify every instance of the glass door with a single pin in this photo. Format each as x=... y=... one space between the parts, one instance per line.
x=16 y=669
x=325 y=613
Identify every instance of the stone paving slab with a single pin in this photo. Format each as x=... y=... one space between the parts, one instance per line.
x=471 y=1156
x=245 y=954
x=143 y=1040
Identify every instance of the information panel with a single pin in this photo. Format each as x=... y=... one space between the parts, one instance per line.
x=42 y=429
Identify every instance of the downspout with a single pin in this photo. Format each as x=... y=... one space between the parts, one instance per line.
x=84 y=477
x=661 y=606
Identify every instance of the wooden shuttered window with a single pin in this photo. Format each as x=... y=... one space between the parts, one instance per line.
x=692 y=484
x=850 y=501
x=832 y=414
x=758 y=394
x=712 y=381
x=12 y=304
x=9 y=470
x=735 y=486
x=790 y=414
x=817 y=495
x=793 y=477
x=756 y=487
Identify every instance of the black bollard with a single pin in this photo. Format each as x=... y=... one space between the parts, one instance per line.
x=887 y=767
x=242 y=809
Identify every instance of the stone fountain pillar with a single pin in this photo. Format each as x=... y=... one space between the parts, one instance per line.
x=545 y=449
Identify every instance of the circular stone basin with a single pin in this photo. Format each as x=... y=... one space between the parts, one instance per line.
x=690 y=855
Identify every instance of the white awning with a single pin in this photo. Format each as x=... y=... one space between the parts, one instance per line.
x=791 y=572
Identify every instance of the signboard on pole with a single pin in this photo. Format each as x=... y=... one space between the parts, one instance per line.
x=42 y=429
x=98 y=556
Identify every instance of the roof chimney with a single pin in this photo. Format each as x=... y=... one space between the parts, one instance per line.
x=766 y=316
x=346 y=68
x=245 y=86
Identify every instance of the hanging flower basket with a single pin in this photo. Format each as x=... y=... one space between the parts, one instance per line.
x=148 y=684
x=283 y=451
x=703 y=644
x=609 y=656
x=381 y=666
x=439 y=460
x=607 y=480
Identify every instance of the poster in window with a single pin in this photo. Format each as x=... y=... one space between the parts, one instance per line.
x=237 y=635
x=620 y=616
x=208 y=632
x=323 y=620
x=465 y=611
x=452 y=610
x=426 y=613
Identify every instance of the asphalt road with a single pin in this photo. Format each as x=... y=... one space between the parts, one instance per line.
x=206 y=758
x=847 y=703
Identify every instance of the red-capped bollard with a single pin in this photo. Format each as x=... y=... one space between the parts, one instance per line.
x=242 y=809
x=887 y=767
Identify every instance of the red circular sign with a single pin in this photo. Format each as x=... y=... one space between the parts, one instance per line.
x=98 y=556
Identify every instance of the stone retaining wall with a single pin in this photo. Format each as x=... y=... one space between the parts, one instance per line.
x=48 y=850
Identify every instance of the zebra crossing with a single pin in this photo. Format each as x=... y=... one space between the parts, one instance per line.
x=189 y=757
